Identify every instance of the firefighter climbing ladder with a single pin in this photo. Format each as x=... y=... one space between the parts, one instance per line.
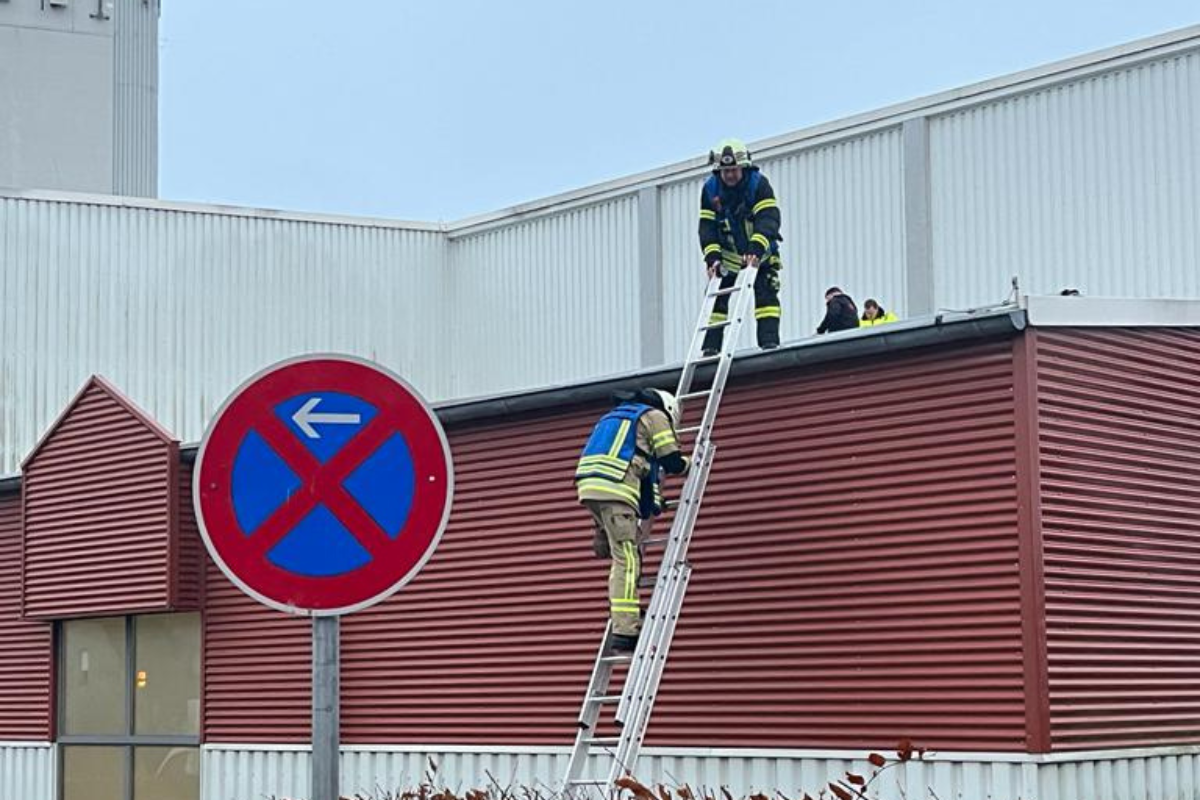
x=618 y=751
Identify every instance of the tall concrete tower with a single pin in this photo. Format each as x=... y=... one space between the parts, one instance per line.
x=79 y=95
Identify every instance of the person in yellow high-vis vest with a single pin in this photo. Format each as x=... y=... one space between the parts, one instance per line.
x=617 y=480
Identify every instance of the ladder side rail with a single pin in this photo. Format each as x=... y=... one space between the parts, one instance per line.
x=689 y=357
x=632 y=737
x=671 y=556
x=663 y=598
x=589 y=712
x=742 y=303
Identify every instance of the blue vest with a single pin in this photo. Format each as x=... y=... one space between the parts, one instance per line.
x=733 y=212
x=608 y=455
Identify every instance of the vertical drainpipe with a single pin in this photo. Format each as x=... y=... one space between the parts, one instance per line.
x=920 y=297
x=650 y=278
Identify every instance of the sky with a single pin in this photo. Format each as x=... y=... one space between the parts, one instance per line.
x=438 y=111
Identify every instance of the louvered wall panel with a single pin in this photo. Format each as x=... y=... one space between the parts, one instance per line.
x=1119 y=415
x=25 y=646
x=856 y=577
x=97 y=495
x=192 y=559
x=257 y=667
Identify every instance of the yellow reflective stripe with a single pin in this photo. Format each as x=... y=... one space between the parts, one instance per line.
x=605 y=486
x=712 y=248
x=758 y=237
x=706 y=214
x=610 y=472
x=619 y=439
x=600 y=459
x=663 y=437
x=717 y=316
x=766 y=311
x=761 y=204
x=630 y=572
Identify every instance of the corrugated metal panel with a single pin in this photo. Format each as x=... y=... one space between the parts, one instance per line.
x=26 y=771
x=25 y=647
x=192 y=561
x=178 y=308
x=257 y=667
x=97 y=499
x=545 y=300
x=1163 y=775
x=135 y=98
x=1120 y=428
x=1088 y=184
x=843 y=225
x=905 y=493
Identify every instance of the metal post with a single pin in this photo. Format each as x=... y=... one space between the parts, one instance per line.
x=326 y=716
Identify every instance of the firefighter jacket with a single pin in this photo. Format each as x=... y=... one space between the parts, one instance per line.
x=739 y=220
x=622 y=458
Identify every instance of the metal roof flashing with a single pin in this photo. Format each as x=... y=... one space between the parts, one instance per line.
x=1110 y=312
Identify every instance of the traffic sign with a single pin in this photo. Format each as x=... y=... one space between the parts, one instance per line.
x=322 y=485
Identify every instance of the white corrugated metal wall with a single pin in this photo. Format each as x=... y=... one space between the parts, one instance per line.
x=26 y=771
x=1159 y=774
x=1091 y=184
x=135 y=98
x=1081 y=173
x=544 y=300
x=178 y=307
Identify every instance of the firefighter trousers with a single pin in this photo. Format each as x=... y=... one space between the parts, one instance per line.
x=766 y=308
x=616 y=537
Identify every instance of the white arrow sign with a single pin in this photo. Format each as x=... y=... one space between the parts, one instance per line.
x=305 y=418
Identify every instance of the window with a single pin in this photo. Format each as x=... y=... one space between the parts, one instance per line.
x=129 y=707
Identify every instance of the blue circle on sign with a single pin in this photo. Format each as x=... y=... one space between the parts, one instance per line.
x=383 y=484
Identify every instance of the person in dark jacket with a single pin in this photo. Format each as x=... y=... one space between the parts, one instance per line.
x=840 y=312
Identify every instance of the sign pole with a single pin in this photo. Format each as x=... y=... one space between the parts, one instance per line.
x=326 y=711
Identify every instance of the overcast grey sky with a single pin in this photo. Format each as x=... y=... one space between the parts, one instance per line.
x=440 y=110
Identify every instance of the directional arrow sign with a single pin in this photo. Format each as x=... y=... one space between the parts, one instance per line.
x=323 y=485
x=305 y=418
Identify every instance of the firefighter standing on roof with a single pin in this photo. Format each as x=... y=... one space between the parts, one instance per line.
x=618 y=481
x=739 y=225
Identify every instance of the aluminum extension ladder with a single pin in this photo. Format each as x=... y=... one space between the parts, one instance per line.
x=618 y=750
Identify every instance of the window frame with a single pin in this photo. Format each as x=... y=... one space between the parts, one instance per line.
x=127 y=740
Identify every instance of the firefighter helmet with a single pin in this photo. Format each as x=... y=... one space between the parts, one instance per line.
x=729 y=153
x=665 y=401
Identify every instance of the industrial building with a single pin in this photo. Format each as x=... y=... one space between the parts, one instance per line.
x=975 y=529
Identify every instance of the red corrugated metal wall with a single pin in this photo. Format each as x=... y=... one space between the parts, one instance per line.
x=25 y=646
x=1120 y=432
x=99 y=493
x=193 y=559
x=856 y=582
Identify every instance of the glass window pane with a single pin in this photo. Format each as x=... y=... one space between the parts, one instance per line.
x=93 y=676
x=161 y=772
x=166 y=679
x=93 y=773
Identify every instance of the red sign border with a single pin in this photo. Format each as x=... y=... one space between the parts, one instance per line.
x=215 y=446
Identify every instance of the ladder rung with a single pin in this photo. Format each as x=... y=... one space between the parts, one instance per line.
x=720 y=292
x=604 y=698
x=655 y=540
x=689 y=429
x=587 y=782
x=647 y=581
x=707 y=359
x=692 y=395
x=617 y=659
x=604 y=740
x=716 y=326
